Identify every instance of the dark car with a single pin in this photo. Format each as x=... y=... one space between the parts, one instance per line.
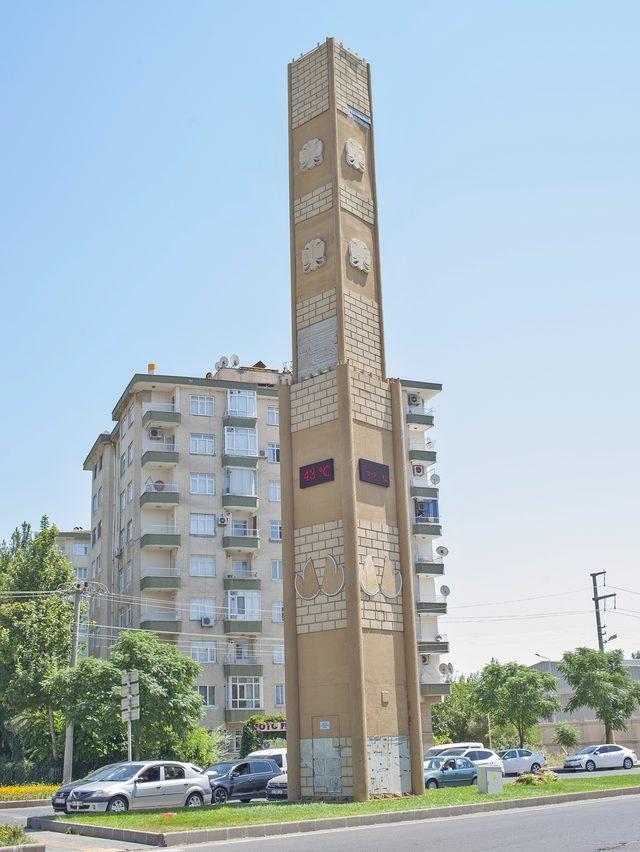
x=243 y=779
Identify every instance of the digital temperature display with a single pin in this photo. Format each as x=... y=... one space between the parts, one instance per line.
x=373 y=472
x=316 y=473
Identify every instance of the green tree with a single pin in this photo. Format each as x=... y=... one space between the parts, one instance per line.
x=252 y=739
x=35 y=633
x=601 y=681
x=514 y=694
x=635 y=655
x=458 y=718
x=567 y=736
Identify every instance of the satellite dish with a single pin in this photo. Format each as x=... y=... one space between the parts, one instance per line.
x=235 y=360
x=445 y=591
x=442 y=550
x=224 y=361
x=217 y=365
x=443 y=668
x=450 y=668
x=435 y=479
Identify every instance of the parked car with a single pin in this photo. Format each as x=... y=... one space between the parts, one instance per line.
x=242 y=779
x=478 y=756
x=130 y=786
x=277 y=787
x=437 y=750
x=517 y=760
x=277 y=755
x=603 y=756
x=449 y=772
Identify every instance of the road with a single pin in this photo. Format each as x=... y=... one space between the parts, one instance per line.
x=601 y=825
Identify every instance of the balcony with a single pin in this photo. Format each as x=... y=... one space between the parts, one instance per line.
x=160 y=454
x=434 y=646
x=424 y=453
x=240 y=539
x=429 y=565
x=237 y=457
x=423 y=492
x=237 y=715
x=236 y=417
x=236 y=582
x=436 y=605
x=159 y=579
x=160 y=620
x=427 y=527
x=159 y=494
x=159 y=414
x=420 y=419
x=239 y=501
x=242 y=623
x=242 y=666
x=435 y=689
x=163 y=536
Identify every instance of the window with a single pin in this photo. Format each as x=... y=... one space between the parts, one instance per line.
x=121 y=539
x=241 y=402
x=95 y=470
x=203 y=524
x=202 y=405
x=240 y=441
x=99 y=533
x=94 y=504
x=202 y=483
x=242 y=651
x=128 y=573
x=279 y=694
x=243 y=604
x=82 y=574
x=93 y=537
x=123 y=427
x=202 y=445
x=240 y=568
x=130 y=415
x=130 y=531
x=121 y=617
x=278 y=655
x=173 y=772
x=273 y=452
x=100 y=495
x=124 y=616
x=130 y=492
x=240 y=481
x=130 y=453
x=276 y=569
x=275 y=530
x=273 y=415
x=202 y=566
x=100 y=463
x=203 y=652
x=277 y=611
x=235 y=740
x=199 y=607
x=244 y=693
x=274 y=492
x=240 y=527
x=123 y=463
x=123 y=500
x=208 y=694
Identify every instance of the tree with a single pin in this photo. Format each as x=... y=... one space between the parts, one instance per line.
x=253 y=739
x=514 y=694
x=601 y=681
x=635 y=655
x=458 y=718
x=567 y=736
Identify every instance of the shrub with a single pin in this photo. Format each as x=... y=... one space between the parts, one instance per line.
x=13 y=835
x=536 y=779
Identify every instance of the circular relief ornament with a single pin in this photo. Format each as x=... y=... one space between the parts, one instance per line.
x=359 y=255
x=314 y=254
x=354 y=154
x=311 y=154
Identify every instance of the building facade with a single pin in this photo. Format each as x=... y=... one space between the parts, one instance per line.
x=186 y=531
x=76 y=546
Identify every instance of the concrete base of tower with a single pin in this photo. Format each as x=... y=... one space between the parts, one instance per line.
x=389 y=761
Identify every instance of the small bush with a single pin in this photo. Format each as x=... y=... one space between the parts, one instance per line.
x=535 y=779
x=13 y=835
x=23 y=792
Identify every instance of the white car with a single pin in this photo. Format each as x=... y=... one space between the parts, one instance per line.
x=603 y=756
x=517 y=760
x=479 y=756
x=277 y=755
x=437 y=750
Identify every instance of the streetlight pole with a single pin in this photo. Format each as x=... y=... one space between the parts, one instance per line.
x=78 y=590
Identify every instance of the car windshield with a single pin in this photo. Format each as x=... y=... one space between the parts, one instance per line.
x=115 y=772
x=219 y=768
x=587 y=750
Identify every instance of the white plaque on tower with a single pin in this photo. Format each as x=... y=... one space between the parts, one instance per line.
x=317 y=348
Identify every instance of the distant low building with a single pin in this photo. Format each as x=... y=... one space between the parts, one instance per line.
x=75 y=545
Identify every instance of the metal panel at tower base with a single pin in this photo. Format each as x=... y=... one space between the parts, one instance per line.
x=317 y=348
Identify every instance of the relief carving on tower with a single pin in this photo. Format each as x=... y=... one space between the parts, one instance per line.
x=311 y=154
x=359 y=255
x=389 y=584
x=314 y=255
x=354 y=155
x=313 y=580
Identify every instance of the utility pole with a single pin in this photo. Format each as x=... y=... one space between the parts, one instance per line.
x=596 y=602
x=78 y=590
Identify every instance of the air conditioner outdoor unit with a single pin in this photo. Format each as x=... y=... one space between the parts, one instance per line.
x=418 y=470
x=223 y=520
x=117 y=552
x=207 y=621
x=156 y=434
x=263 y=454
x=414 y=399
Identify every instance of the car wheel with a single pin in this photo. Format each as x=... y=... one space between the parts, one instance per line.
x=474 y=780
x=535 y=767
x=589 y=766
x=628 y=763
x=219 y=796
x=118 y=805
x=432 y=784
x=195 y=800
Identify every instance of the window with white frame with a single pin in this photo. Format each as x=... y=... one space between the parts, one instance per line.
x=277 y=611
x=273 y=415
x=130 y=415
x=202 y=483
x=200 y=607
x=123 y=427
x=202 y=405
x=273 y=452
x=121 y=539
x=123 y=463
x=123 y=500
x=100 y=495
x=241 y=481
x=121 y=581
x=241 y=527
x=241 y=651
x=240 y=568
x=201 y=565
x=243 y=604
x=202 y=524
x=128 y=573
x=129 y=530
x=274 y=491
x=278 y=655
x=94 y=504
x=201 y=444
x=240 y=441
x=203 y=652
x=121 y=617
x=82 y=574
x=244 y=693
x=98 y=564
x=275 y=530
x=235 y=740
x=130 y=453
x=99 y=529
x=279 y=695
x=242 y=403
x=208 y=694
x=276 y=569
x=130 y=492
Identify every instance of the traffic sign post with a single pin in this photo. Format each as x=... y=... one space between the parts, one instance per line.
x=130 y=704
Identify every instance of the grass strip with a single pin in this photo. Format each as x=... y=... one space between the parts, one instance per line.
x=188 y=819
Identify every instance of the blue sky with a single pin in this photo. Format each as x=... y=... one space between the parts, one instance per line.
x=144 y=217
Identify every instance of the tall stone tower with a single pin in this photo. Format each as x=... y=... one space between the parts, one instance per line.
x=353 y=693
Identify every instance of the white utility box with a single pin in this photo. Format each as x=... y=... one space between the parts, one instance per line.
x=489 y=779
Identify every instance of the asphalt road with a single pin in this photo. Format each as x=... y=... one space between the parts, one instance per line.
x=601 y=825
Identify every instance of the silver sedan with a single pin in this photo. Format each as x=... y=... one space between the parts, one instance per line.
x=147 y=784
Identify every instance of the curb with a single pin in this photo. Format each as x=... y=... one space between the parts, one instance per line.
x=24 y=803
x=181 y=838
x=32 y=847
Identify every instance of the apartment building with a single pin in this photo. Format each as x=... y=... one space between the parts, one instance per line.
x=186 y=531
x=76 y=546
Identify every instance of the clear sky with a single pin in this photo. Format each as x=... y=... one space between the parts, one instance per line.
x=144 y=217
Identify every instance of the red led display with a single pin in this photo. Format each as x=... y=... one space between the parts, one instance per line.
x=316 y=473
x=373 y=472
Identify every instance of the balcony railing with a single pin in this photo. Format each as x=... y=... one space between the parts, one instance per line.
x=159 y=487
x=159 y=406
x=420 y=409
x=159 y=572
x=243 y=616
x=428 y=519
x=242 y=532
x=432 y=560
x=249 y=574
x=236 y=412
x=237 y=492
x=240 y=451
x=242 y=661
x=439 y=599
x=429 y=446
x=159 y=615
x=160 y=529
x=160 y=446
